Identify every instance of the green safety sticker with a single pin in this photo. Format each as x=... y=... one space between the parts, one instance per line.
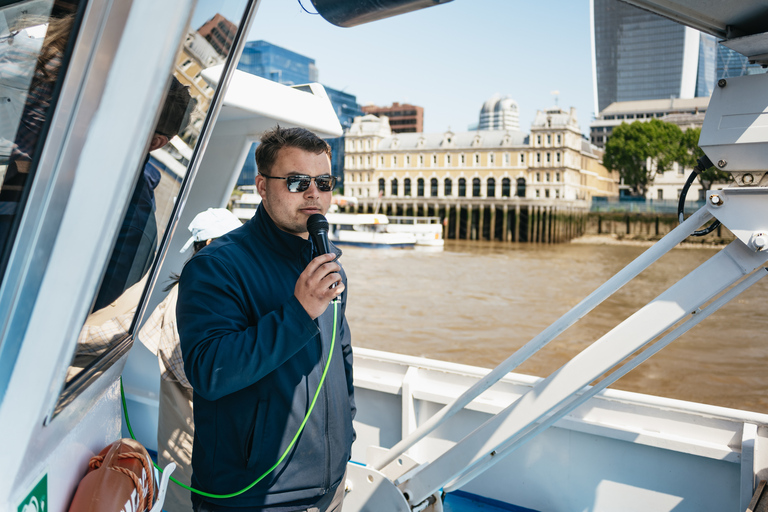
x=37 y=499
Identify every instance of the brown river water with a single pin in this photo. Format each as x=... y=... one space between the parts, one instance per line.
x=476 y=303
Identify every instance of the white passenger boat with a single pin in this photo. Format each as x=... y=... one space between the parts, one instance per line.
x=429 y=433
x=244 y=207
x=427 y=230
x=366 y=230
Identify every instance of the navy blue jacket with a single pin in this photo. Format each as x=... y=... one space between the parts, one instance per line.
x=255 y=358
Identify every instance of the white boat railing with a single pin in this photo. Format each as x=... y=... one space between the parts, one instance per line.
x=567 y=388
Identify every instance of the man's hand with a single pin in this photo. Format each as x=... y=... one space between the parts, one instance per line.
x=314 y=287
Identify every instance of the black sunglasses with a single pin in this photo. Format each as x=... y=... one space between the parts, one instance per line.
x=300 y=182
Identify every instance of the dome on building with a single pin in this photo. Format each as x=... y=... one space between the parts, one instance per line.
x=499 y=113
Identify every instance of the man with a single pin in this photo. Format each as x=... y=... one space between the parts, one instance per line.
x=256 y=333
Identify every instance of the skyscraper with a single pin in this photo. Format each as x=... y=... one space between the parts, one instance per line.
x=638 y=55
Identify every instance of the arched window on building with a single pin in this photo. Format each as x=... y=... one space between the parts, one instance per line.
x=394 y=187
x=420 y=187
x=520 y=187
x=491 y=187
x=382 y=186
x=475 y=187
x=448 y=187
x=407 y=187
x=506 y=188
x=433 y=187
x=462 y=187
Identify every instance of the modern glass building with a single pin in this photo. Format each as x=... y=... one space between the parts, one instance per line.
x=731 y=63
x=638 y=55
x=280 y=65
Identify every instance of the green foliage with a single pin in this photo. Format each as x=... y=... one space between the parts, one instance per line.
x=639 y=151
x=690 y=152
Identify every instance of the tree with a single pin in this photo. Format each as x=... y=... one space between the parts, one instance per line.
x=690 y=152
x=640 y=150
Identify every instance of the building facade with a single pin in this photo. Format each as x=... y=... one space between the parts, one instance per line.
x=499 y=113
x=638 y=55
x=403 y=118
x=553 y=163
x=219 y=32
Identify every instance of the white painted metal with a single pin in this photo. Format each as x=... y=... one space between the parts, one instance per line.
x=611 y=379
x=735 y=131
x=664 y=245
x=683 y=298
x=646 y=451
x=139 y=35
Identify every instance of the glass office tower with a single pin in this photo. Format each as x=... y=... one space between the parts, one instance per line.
x=638 y=55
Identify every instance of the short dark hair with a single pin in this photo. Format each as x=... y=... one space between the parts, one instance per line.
x=278 y=138
x=177 y=109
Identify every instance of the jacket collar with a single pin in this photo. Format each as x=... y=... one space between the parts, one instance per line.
x=285 y=244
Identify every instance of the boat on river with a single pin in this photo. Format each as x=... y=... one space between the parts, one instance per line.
x=431 y=435
x=427 y=230
x=366 y=230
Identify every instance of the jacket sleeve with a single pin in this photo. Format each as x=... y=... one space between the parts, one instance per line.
x=223 y=353
x=346 y=349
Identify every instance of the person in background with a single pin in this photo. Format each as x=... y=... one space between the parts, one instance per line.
x=256 y=332
x=136 y=243
x=175 y=428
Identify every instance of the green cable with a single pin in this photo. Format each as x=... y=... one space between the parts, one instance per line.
x=293 y=441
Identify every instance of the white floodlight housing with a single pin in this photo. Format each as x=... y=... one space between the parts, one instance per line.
x=735 y=131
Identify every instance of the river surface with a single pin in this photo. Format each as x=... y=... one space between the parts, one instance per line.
x=477 y=302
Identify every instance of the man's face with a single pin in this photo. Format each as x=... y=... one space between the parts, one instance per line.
x=290 y=210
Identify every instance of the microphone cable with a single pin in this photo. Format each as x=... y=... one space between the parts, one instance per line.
x=290 y=445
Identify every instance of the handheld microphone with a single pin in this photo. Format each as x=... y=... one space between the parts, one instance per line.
x=317 y=226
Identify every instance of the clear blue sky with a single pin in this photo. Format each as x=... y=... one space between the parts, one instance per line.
x=448 y=58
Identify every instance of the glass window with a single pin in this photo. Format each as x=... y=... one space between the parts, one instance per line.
x=462 y=187
x=420 y=187
x=433 y=187
x=462 y=159
x=520 y=187
x=476 y=187
x=382 y=186
x=447 y=159
x=506 y=188
x=159 y=179
x=407 y=187
x=491 y=187
x=394 y=160
x=33 y=62
x=448 y=187
x=394 y=187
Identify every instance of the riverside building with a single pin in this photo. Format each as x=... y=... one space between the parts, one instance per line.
x=685 y=113
x=490 y=180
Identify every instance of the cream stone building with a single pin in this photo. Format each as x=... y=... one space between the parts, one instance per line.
x=554 y=162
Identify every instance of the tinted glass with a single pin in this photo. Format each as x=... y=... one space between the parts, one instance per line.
x=209 y=41
x=35 y=37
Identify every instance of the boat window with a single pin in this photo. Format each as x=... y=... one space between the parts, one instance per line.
x=159 y=180
x=36 y=38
